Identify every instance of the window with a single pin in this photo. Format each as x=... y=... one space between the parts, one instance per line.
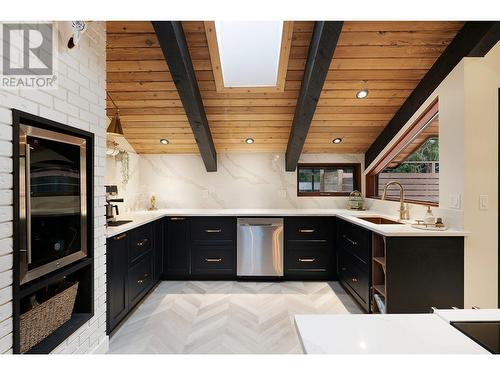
x=413 y=162
x=328 y=179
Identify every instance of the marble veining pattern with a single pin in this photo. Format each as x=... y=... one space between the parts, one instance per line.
x=226 y=317
x=257 y=180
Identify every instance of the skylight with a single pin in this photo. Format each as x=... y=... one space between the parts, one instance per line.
x=249 y=52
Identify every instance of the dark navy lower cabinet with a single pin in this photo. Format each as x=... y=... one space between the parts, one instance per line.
x=132 y=269
x=309 y=249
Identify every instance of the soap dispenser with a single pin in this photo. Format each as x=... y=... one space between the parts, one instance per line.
x=429 y=217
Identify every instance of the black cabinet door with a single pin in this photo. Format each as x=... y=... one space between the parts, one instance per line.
x=176 y=258
x=308 y=262
x=354 y=276
x=309 y=248
x=216 y=260
x=309 y=229
x=116 y=277
x=141 y=242
x=213 y=230
x=140 y=279
x=355 y=240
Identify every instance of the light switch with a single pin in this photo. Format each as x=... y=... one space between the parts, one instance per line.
x=205 y=194
x=483 y=202
x=282 y=193
x=455 y=201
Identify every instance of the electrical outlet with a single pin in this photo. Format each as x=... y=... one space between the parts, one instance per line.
x=483 y=202
x=455 y=201
x=205 y=194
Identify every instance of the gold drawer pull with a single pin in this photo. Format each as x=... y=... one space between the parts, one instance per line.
x=354 y=243
x=307 y=230
x=213 y=260
x=307 y=260
x=119 y=237
x=144 y=278
x=177 y=218
x=213 y=230
x=143 y=242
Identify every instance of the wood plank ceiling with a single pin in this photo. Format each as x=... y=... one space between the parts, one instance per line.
x=387 y=58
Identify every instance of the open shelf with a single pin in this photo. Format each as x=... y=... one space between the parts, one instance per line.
x=380 y=289
x=83 y=310
x=378 y=272
x=380 y=260
x=33 y=286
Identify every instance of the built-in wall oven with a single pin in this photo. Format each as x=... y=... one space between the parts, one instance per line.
x=53 y=201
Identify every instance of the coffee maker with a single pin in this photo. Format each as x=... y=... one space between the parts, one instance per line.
x=112 y=197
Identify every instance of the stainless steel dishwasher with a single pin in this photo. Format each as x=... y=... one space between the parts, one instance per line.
x=260 y=247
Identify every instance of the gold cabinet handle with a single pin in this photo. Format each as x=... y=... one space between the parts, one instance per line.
x=144 y=278
x=349 y=240
x=213 y=230
x=354 y=280
x=213 y=260
x=119 y=237
x=307 y=230
x=177 y=218
x=143 y=242
x=307 y=260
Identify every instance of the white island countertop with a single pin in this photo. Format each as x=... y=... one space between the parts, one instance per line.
x=393 y=230
x=382 y=334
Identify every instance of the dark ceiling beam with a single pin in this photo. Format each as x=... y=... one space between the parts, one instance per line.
x=321 y=49
x=474 y=39
x=175 y=50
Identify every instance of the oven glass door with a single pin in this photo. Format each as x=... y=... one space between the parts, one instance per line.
x=55 y=220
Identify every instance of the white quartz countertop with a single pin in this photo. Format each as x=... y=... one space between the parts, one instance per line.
x=401 y=230
x=468 y=315
x=382 y=334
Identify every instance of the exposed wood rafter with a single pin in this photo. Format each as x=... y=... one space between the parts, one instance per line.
x=474 y=39
x=175 y=50
x=319 y=57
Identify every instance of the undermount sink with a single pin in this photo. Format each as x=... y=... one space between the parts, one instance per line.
x=379 y=220
x=117 y=223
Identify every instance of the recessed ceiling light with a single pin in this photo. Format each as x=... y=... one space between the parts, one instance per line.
x=361 y=94
x=249 y=141
x=337 y=140
x=164 y=141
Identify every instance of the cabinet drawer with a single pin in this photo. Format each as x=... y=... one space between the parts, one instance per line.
x=140 y=278
x=140 y=242
x=308 y=258
x=208 y=229
x=314 y=229
x=213 y=260
x=354 y=276
x=354 y=239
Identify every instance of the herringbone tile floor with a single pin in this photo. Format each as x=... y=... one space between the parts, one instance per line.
x=226 y=317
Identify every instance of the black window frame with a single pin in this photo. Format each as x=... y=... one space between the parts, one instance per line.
x=356 y=167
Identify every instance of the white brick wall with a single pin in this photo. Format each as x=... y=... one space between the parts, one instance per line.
x=79 y=102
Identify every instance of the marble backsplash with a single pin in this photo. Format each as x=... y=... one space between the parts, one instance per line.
x=255 y=180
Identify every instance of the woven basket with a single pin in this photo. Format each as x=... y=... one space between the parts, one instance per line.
x=42 y=320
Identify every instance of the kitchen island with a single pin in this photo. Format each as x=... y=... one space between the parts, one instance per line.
x=382 y=334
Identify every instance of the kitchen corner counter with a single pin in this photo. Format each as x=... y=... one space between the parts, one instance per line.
x=382 y=334
x=391 y=230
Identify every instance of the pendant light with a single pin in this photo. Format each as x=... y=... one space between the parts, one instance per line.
x=115 y=127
